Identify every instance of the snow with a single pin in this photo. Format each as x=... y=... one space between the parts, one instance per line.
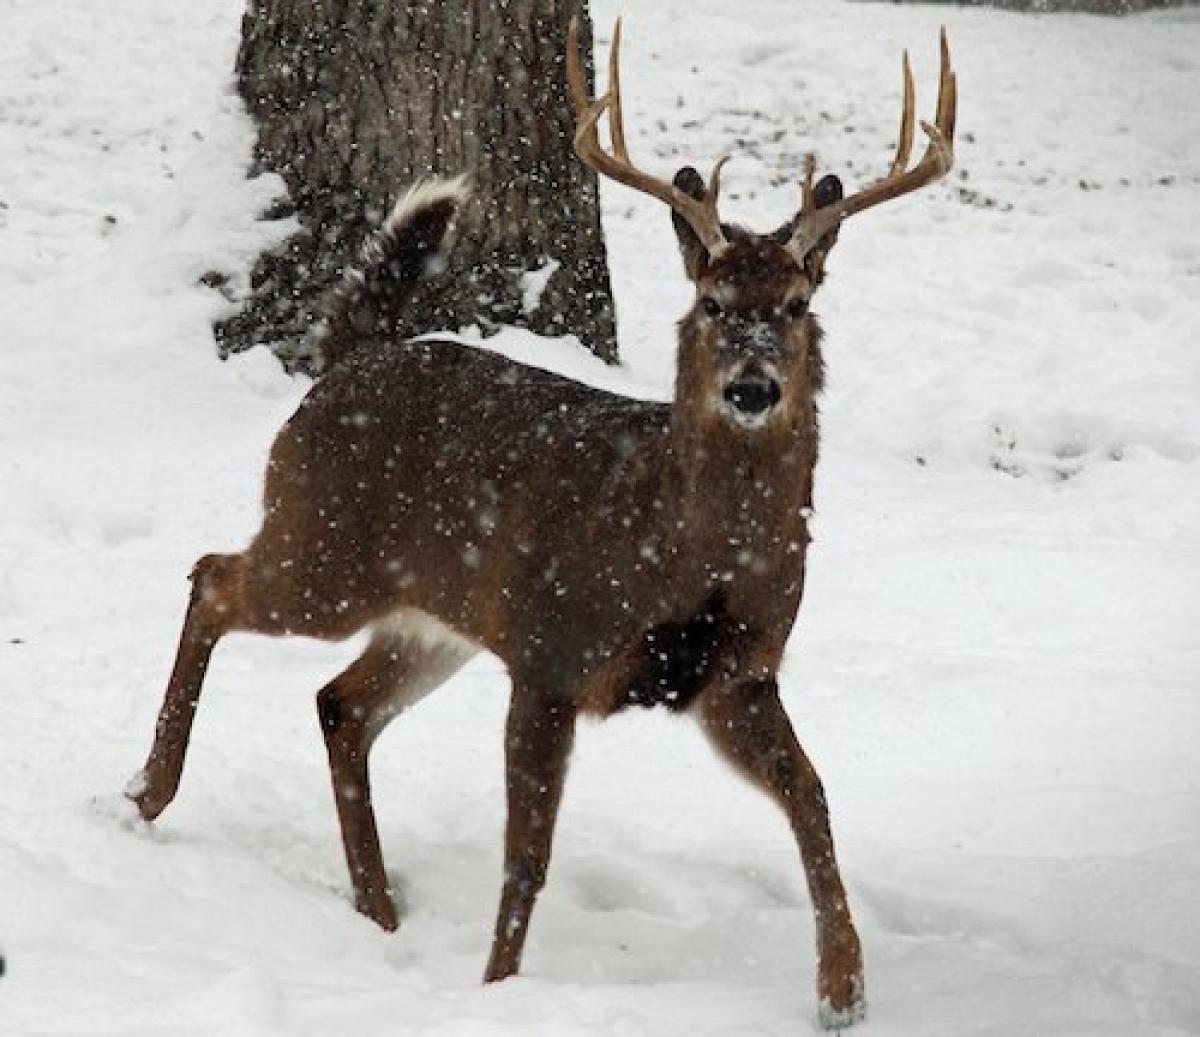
x=996 y=667
x=533 y=285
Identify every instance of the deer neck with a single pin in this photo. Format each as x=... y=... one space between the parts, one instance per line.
x=738 y=488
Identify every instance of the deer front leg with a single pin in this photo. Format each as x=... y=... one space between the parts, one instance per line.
x=747 y=724
x=538 y=739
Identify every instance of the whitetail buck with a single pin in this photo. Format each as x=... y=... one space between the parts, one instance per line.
x=612 y=552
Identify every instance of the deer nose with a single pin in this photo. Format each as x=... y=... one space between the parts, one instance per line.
x=752 y=395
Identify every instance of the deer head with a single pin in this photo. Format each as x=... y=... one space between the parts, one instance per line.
x=749 y=345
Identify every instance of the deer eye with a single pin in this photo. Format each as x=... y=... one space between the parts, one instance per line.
x=711 y=307
x=796 y=308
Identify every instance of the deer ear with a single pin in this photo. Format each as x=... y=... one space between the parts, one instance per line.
x=695 y=255
x=827 y=191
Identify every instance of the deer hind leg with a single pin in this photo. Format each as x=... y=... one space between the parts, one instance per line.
x=409 y=655
x=747 y=724
x=214 y=609
x=538 y=738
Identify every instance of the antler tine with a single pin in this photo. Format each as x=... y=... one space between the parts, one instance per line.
x=700 y=213
x=807 y=230
x=934 y=164
x=616 y=122
x=941 y=133
x=947 y=106
x=575 y=84
x=905 y=139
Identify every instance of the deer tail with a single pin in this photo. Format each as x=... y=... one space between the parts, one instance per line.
x=411 y=246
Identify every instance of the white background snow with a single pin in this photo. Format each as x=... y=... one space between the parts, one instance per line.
x=997 y=667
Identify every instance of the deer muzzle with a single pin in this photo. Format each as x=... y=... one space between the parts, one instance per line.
x=751 y=395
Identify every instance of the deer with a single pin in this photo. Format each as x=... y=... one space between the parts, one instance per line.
x=611 y=552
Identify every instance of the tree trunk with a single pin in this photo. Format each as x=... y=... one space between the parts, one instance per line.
x=356 y=99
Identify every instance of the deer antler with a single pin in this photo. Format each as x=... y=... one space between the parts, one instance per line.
x=700 y=213
x=935 y=163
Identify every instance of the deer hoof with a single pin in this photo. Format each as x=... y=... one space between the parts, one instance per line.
x=500 y=966
x=843 y=1012
x=142 y=793
x=837 y=1019
x=382 y=912
x=840 y=980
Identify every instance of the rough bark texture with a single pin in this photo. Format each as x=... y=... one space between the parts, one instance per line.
x=357 y=99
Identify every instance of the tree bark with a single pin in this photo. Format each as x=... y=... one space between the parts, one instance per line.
x=357 y=99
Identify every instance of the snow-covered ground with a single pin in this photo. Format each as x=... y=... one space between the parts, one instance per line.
x=997 y=668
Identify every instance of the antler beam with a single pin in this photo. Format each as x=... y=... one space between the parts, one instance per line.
x=935 y=163
x=700 y=213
